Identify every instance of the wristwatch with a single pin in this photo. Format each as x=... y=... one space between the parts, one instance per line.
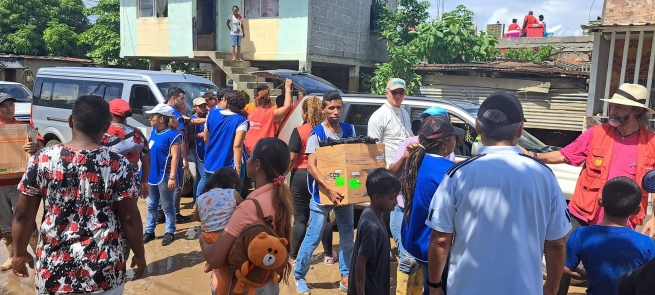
x=433 y=285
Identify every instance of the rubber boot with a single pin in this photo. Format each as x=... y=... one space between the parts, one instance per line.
x=34 y=238
x=9 y=249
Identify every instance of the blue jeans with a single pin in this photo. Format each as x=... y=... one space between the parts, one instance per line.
x=406 y=263
x=317 y=217
x=444 y=276
x=201 y=179
x=160 y=194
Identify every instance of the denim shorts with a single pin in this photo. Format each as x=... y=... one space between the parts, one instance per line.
x=236 y=40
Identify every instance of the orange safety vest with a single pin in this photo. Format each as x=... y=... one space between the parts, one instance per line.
x=262 y=124
x=301 y=160
x=596 y=170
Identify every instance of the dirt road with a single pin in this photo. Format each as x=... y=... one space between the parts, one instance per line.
x=177 y=269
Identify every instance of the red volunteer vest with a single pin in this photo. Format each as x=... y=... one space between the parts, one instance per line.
x=262 y=124
x=596 y=169
x=301 y=160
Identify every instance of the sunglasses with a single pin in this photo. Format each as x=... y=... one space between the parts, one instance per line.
x=398 y=92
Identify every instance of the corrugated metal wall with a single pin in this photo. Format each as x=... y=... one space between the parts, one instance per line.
x=554 y=110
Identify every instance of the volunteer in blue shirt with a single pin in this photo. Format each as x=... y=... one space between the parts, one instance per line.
x=176 y=99
x=165 y=171
x=224 y=134
x=197 y=145
x=425 y=168
x=330 y=128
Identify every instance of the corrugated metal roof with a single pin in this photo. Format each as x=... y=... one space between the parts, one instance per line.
x=10 y=64
x=555 y=111
x=53 y=58
x=502 y=66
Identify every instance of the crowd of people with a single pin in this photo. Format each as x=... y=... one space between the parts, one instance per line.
x=479 y=226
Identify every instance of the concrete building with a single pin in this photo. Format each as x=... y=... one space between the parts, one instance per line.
x=329 y=38
x=623 y=52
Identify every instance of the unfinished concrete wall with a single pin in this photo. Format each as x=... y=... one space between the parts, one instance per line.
x=341 y=28
x=629 y=11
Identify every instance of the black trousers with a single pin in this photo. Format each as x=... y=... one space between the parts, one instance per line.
x=301 y=197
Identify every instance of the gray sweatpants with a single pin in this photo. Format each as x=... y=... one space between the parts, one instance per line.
x=8 y=201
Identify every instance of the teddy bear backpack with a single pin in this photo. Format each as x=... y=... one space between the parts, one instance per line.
x=258 y=255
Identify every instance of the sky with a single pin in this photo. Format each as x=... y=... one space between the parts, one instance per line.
x=563 y=17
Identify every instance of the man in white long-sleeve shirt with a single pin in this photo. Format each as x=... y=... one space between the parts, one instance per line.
x=391 y=124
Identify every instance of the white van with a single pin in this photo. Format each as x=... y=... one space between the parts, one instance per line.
x=56 y=89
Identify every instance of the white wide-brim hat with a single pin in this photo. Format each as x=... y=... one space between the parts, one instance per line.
x=631 y=95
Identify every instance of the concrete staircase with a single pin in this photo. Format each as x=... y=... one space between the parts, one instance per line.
x=239 y=71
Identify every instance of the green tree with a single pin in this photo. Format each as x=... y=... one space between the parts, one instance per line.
x=448 y=39
x=452 y=39
x=25 y=23
x=529 y=54
x=103 y=37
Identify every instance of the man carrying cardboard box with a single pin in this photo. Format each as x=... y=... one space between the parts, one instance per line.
x=330 y=128
x=9 y=187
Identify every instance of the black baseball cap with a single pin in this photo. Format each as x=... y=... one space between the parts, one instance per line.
x=648 y=182
x=505 y=102
x=438 y=126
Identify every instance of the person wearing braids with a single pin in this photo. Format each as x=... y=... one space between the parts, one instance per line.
x=312 y=114
x=264 y=118
x=267 y=166
x=425 y=167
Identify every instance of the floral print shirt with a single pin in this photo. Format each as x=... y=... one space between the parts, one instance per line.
x=80 y=248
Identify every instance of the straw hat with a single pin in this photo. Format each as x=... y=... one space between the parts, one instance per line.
x=631 y=95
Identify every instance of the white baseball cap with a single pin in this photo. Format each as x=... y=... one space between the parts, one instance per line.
x=162 y=109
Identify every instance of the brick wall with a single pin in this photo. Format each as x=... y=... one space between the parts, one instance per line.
x=340 y=28
x=629 y=11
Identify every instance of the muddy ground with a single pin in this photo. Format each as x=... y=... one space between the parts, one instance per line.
x=177 y=268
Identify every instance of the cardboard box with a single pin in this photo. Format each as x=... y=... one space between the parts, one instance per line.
x=346 y=166
x=13 y=159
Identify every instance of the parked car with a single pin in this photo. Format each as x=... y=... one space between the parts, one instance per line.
x=55 y=90
x=358 y=108
x=23 y=98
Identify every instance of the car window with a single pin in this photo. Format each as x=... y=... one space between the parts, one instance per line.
x=464 y=144
x=359 y=114
x=141 y=96
x=17 y=91
x=62 y=93
x=191 y=91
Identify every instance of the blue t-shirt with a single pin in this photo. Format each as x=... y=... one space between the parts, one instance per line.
x=607 y=252
x=178 y=116
x=415 y=233
x=199 y=142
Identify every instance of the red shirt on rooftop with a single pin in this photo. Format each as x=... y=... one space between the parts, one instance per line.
x=530 y=20
x=514 y=27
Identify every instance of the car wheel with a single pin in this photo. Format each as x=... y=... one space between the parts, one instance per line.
x=52 y=142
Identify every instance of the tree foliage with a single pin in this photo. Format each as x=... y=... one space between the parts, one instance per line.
x=453 y=39
x=103 y=38
x=396 y=26
x=411 y=38
x=41 y=27
x=529 y=54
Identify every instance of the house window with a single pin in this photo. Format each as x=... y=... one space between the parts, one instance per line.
x=153 y=8
x=261 y=8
